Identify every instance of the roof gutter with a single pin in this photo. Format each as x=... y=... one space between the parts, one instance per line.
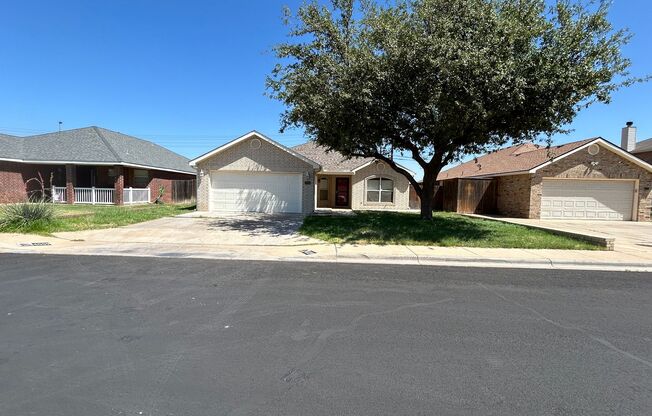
x=615 y=149
x=70 y=162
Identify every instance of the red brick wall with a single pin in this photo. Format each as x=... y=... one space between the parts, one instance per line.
x=159 y=178
x=14 y=177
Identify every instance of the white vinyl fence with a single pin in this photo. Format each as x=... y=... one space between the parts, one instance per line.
x=136 y=196
x=59 y=194
x=94 y=195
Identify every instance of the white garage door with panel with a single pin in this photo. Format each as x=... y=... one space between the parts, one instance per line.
x=255 y=192
x=609 y=200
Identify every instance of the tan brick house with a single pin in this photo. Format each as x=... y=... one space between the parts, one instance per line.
x=254 y=173
x=89 y=165
x=590 y=179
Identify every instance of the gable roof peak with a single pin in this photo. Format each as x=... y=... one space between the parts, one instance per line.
x=265 y=138
x=511 y=160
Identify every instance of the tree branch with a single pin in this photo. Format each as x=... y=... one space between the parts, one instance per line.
x=416 y=155
x=396 y=167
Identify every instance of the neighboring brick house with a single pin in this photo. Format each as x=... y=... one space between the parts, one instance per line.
x=591 y=179
x=88 y=165
x=642 y=150
x=255 y=173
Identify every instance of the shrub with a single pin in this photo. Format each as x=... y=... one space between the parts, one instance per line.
x=24 y=214
x=161 y=192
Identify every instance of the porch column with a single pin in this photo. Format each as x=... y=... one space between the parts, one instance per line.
x=71 y=181
x=119 y=185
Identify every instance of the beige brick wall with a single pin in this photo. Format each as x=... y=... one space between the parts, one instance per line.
x=267 y=158
x=401 y=188
x=513 y=195
x=604 y=165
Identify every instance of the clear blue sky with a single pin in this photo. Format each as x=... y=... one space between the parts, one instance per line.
x=190 y=75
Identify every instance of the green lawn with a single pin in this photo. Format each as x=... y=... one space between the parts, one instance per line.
x=446 y=229
x=88 y=217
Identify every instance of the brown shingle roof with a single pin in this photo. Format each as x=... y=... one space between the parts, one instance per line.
x=330 y=161
x=644 y=146
x=510 y=159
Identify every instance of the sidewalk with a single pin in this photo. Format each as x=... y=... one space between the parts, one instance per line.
x=348 y=253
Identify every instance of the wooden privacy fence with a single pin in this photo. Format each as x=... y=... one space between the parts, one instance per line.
x=469 y=196
x=184 y=191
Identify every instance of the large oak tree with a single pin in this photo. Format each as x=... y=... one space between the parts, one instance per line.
x=440 y=79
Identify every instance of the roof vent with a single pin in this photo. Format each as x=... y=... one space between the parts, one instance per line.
x=594 y=149
x=255 y=144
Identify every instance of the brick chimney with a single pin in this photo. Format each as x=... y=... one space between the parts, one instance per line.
x=628 y=137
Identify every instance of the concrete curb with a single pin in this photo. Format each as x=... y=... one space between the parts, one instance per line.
x=441 y=261
x=507 y=263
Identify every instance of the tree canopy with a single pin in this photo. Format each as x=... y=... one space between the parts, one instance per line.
x=440 y=79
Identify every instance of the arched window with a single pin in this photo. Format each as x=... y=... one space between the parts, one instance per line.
x=380 y=189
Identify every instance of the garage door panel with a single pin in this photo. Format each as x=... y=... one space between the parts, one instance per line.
x=587 y=199
x=255 y=192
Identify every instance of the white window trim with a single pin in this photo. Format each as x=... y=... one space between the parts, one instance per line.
x=380 y=190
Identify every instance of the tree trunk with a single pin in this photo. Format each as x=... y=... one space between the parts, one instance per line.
x=428 y=194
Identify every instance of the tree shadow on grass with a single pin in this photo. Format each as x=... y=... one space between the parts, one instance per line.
x=396 y=228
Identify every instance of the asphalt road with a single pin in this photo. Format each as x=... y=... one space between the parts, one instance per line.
x=139 y=336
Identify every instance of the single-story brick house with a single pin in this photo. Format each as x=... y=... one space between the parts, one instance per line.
x=89 y=165
x=590 y=179
x=257 y=174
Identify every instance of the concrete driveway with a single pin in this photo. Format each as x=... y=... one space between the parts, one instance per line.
x=631 y=237
x=224 y=229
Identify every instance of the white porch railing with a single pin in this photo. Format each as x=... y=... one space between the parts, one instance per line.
x=136 y=196
x=94 y=196
x=101 y=196
x=59 y=195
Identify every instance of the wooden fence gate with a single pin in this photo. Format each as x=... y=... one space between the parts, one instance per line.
x=184 y=191
x=476 y=196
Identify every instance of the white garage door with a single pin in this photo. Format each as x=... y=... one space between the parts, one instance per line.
x=255 y=192
x=587 y=200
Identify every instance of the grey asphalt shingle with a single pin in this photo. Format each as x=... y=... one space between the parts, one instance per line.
x=92 y=144
x=10 y=147
x=330 y=161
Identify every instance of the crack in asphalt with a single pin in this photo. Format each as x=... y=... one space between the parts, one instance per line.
x=544 y=318
x=323 y=336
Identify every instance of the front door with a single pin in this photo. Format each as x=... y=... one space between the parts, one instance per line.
x=342 y=192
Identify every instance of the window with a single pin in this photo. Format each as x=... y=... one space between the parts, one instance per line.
x=323 y=189
x=141 y=178
x=380 y=190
